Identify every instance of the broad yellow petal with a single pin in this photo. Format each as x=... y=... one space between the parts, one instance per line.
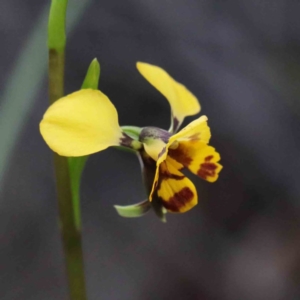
x=183 y=103
x=197 y=130
x=177 y=192
x=199 y=158
x=81 y=123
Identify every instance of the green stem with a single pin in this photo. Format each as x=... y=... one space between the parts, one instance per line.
x=71 y=235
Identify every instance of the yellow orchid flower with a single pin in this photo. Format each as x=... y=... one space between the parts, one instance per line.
x=86 y=122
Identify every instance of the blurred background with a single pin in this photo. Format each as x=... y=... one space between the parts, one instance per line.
x=242 y=60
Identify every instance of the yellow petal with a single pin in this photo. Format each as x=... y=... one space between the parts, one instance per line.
x=183 y=103
x=161 y=158
x=177 y=192
x=154 y=148
x=199 y=158
x=197 y=130
x=81 y=123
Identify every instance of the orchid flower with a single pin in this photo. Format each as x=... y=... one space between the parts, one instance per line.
x=86 y=122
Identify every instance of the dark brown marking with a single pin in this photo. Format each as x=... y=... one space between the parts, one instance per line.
x=175 y=124
x=126 y=140
x=164 y=172
x=209 y=158
x=162 y=152
x=168 y=175
x=209 y=166
x=179 y=200
x=207 y=169
x=179 y=155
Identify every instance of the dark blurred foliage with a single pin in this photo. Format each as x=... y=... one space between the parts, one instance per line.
x=242 y=60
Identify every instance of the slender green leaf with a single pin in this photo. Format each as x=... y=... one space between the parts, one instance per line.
x=76 y=164
x=91 y=79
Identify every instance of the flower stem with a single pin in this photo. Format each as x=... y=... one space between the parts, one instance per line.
x=71 y=234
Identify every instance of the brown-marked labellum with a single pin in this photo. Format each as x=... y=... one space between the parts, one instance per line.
x=179 y=200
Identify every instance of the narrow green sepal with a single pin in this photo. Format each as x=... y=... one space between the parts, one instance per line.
x=92 y=76
x=57 y=25
x=133 y=211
